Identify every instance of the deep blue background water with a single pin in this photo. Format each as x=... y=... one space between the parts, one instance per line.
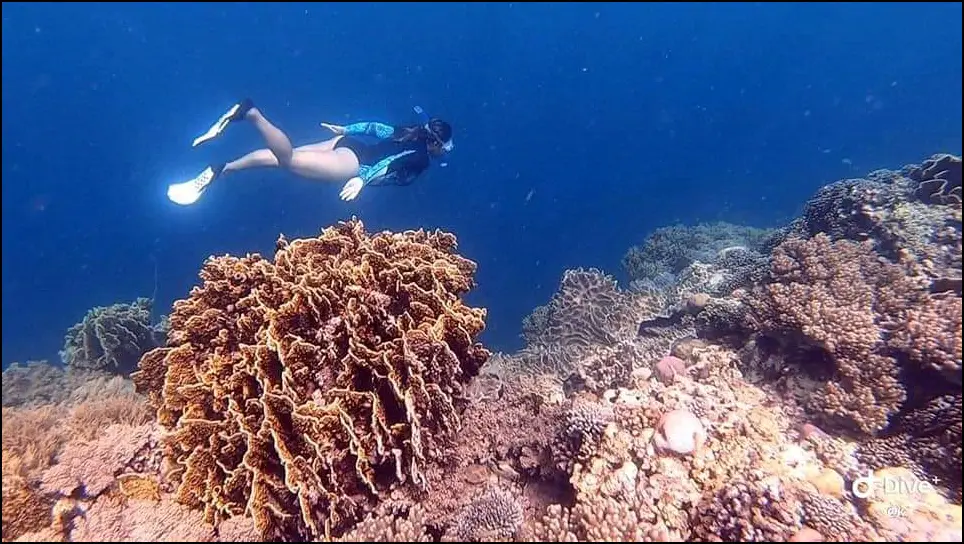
x=579 y=128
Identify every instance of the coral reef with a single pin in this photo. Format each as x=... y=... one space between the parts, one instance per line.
x=841 y=298
x=926 y=440
x=592 y=334
x=113 y=338
x=895 y=212
x=40 y=383
x=670 y=250
x=879 y=299
x=60 y=458
x=804 y=387
x=589 y=308
x=301 y=390
x=938 y=180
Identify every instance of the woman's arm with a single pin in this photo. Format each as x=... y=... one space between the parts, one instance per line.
x=371 y=128
x=399 y=169
x=366 y=128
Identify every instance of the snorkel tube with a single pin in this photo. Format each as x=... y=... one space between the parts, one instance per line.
x=422 y=116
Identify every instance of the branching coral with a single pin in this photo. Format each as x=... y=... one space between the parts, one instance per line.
x=931 y=335
x=112 y=338
x=841 y=297
x=579 y=433
x=493 y=516
x=390 y=525
x=746 y=510
x=298 y=390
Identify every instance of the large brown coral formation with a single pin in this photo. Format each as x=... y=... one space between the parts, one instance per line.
x=299 y=390
x=843 y=299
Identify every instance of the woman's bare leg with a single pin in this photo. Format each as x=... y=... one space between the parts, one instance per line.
x=319 y=161
x=276 y=140
x=314 y=161
x=337 y=165
x=267 y=158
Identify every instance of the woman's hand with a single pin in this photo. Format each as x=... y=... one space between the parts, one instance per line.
x=337 y=129
x=351 y=189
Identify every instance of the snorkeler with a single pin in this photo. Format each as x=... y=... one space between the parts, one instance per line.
x=396 y=156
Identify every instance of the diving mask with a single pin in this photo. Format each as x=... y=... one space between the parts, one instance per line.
x=446 y=145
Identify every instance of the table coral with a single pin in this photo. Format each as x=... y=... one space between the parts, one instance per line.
x=296 y=391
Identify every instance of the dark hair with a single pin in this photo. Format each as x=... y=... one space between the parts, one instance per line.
x=441 y=128
x=416 y=133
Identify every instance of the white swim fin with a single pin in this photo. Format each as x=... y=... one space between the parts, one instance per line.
x=235 y=113
x=189 y=192
x=217 y=127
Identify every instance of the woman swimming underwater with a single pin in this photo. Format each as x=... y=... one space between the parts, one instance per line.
x=361 y=154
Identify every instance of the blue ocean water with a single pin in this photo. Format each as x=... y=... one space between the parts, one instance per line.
x=580 y=128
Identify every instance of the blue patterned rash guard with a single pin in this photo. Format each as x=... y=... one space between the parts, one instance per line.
x=385 y=161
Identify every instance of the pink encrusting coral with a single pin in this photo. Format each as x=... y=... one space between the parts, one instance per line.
x=337 y=393
x=680 y=432
x=669 y=367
